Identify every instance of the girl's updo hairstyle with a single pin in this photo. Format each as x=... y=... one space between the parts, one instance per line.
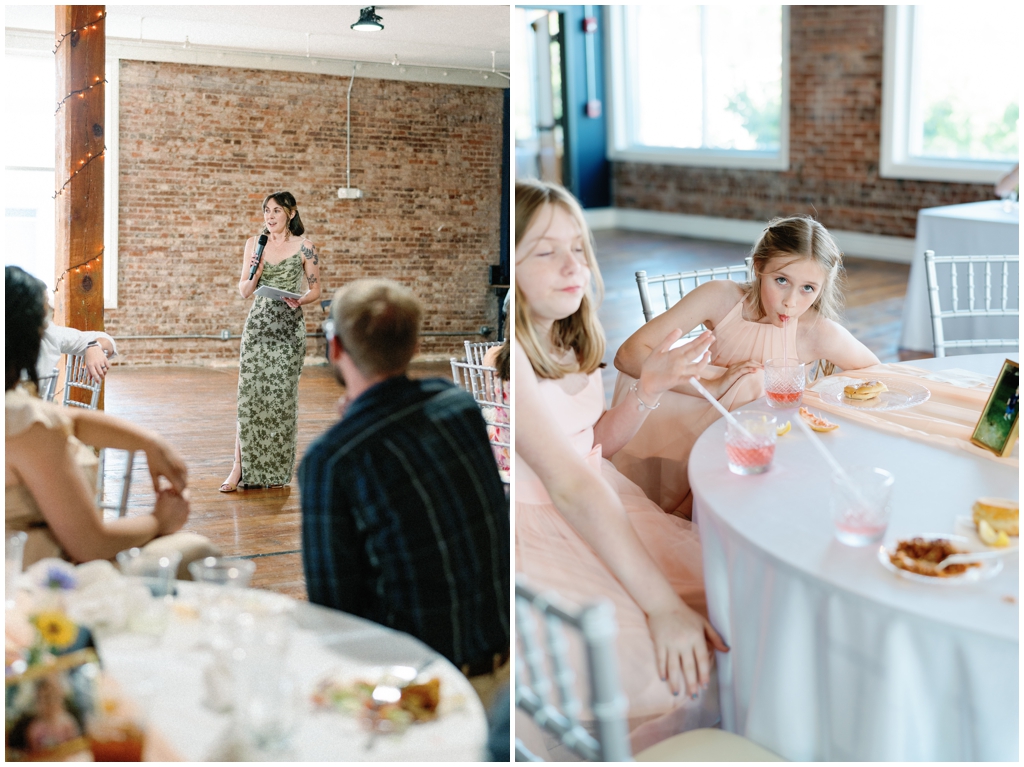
x=287 y=201
x=791 y=239
x=25 y=316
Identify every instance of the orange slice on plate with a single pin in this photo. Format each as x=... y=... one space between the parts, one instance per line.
x=816 y=422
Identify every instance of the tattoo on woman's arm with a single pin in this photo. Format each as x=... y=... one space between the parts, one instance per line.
x=310 y=253
x=312 y=280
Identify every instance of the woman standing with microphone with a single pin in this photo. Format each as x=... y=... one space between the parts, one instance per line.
x=273 y=347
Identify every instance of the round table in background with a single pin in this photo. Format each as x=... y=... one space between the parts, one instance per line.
x=832 y=656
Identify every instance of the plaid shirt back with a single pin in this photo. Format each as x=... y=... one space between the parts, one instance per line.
x=405 y=520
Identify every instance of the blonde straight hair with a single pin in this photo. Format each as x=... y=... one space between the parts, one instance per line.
x=792 y=239
x=581 y=331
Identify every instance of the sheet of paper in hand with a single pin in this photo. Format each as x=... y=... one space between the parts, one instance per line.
x=268 y=292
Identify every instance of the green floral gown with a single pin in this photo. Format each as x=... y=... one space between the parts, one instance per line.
x=272 y=351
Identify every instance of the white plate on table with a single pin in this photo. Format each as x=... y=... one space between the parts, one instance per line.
x=987 y=569
x=901 y=394
x=965 y=526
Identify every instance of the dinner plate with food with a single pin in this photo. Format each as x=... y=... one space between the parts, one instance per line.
x=993 y=523
x=923 y=558
x=875 y=394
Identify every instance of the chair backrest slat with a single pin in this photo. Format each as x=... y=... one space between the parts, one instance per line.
x=76 y=376
x=475 y=352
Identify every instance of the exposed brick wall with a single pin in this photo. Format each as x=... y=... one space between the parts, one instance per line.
x=835 y=143
x=201 y=146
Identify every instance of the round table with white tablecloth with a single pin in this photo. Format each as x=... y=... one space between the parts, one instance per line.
x=833 y=657
x=169 y=672
x=990 y=228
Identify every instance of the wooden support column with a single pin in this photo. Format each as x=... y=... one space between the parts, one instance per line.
x=80 y=50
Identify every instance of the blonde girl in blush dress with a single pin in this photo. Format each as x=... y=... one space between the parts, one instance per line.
x=582 y=529
x=795 y=290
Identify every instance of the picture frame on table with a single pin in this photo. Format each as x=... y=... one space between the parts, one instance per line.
x=46 y=708
x=997 y=428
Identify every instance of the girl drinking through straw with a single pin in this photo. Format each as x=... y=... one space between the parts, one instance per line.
x=792 y=301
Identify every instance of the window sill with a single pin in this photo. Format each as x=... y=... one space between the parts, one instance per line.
x=705 y=159
x=961 y=172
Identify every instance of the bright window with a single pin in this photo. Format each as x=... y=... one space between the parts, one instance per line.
x=699 y=85
x=29 y=163
x=951 y=85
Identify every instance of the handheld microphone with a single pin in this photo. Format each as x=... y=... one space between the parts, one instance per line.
x=260 y=244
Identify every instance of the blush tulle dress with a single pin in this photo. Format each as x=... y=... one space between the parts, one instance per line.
x=656 y=457
x=550 y=554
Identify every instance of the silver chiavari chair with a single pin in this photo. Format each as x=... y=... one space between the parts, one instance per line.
x=475 y=352
x=951 y=294
x=489 y=392
x=546 y=689
x=670 y=288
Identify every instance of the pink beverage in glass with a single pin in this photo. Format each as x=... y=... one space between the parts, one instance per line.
x=784 y=383
x=746 y=455
x=749 y=459
x=857 y=524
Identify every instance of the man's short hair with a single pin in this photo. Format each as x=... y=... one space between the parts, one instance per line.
x=378 y=323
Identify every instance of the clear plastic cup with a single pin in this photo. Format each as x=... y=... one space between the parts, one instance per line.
x=223 y=571
x=861 y=517
x=746 y=456
x=784 y=382
x=156 y=569
x=14 y=557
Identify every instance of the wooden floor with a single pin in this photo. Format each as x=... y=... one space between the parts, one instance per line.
x=874 y=291
x=194 y=409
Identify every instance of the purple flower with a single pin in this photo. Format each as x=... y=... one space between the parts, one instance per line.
x=56 y=578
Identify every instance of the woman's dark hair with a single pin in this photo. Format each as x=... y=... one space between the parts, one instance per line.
x=25 y=317
x=503 y=361
x=287 y=201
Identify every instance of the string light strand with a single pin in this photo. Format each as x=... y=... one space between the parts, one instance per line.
x=90 y=25
x=86 y=267
x=83 y=164
x=80 y=93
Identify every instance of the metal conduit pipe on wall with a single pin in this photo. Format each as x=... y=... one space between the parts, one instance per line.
x=484 y=330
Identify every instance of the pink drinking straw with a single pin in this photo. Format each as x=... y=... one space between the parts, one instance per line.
x=785 y=342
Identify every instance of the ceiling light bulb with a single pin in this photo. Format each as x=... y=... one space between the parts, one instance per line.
x=368 y=21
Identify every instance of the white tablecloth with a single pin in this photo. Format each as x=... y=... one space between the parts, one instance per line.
x=832 y=656
x=171 y=671
x=973 y=229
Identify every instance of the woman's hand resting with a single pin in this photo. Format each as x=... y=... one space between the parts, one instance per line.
x=171 y=510
x=683 y=641
x=164 y=461
x=667 y=368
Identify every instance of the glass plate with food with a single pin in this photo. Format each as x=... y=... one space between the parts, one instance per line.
x=918 y=558
x=387 y=700
x=879 y=394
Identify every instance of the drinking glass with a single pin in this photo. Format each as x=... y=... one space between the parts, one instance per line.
x=861 y=517
x=13 y=559
x=155 y=569
x=223 y=571
x=784 y=382
x=746 y=456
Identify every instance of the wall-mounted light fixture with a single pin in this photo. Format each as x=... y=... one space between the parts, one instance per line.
x=368 y=21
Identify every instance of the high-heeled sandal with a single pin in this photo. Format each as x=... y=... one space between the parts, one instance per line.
x=227 y=487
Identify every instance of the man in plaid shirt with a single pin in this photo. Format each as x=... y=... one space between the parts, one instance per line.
x=404 y=517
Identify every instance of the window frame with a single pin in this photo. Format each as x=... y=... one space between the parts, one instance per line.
x=621 y=148
x=898 y=81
